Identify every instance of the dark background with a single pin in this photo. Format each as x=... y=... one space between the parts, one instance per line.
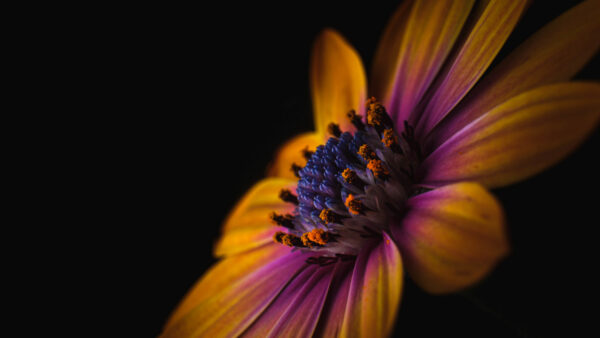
x=200 y=100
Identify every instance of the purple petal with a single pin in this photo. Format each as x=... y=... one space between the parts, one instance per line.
x=375 y=290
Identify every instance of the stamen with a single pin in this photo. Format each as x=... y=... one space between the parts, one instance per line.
x=378 y=170
x=354 y=206
x=350 y=176
x=288 y=239
x=366 y=152
x=319 y=236
x=356 y=120
x=307 y=153
x=328 y=216
x=334 y=129
x=283 y=220
x=296 y=169
x=316 y=237
x=287 y=196
x=377 y=117
x=391 y=140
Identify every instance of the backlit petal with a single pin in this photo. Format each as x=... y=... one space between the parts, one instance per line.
x=224 y=274
x=494 y=22
x=374 y=293
x=338 y=81
x=430 y=33
x=553 y=54
x=291 y=152
x=518 y=138
x=451 y=237
x=249 y=224
x=232 y=308
x=296 y=310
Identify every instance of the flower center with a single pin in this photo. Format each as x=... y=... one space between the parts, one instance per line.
x=351 y=188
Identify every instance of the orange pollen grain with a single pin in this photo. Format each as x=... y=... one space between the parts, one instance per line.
x=349 y=176
x=377 y=168
x=318 y=236
x=354 y=206
x=287 y=239
x=366 y=152
x=389 y=138
x=328 y=216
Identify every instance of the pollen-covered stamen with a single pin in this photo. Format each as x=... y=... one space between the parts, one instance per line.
x=350 y=176
x=328 y=216
x=351 y=188
x=296 y=169
x=334 y=129
x=356 y=120
x=354 y=206
x=390 y=139
x=316 y=237
x=287 y=196
x=378 y=170
x=366 y=152
x=283 y=220
x=288 y=239
x=377 y=117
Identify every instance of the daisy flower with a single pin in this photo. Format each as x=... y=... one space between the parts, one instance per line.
x=395 y=178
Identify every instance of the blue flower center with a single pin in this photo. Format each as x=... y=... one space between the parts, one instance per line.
x=351 y=188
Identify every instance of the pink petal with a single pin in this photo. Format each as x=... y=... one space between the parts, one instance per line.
x=432 y=28
x=229 y=311
x=518 y=138
x=375 y=290
x=553 y=54
x=492 y=26
x=296 y=310
x=332 y=316
x=451 y=237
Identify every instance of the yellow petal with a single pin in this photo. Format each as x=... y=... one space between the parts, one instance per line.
x=495 y=21
x=338 y=81
x=223 y=274
x=430 y=33
x=451 y=237
x=249 y=225
x=518 y=138
x=291 y=152
x=235 y=306
x=553 y=54
x=375 y=291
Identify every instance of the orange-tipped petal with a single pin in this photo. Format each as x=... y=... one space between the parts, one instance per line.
x=292 y=152
x=375 y=291
x=430 y=33
x=338 y=82
x=553 y=54
x=223 y=274
x=518 y=138
x=249 y=224
x=451 y=237
x=494 y=22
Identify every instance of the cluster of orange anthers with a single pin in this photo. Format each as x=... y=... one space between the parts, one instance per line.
x=376 y=117
x=315 y=237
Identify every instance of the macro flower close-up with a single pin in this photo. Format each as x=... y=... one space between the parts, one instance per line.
x=395 y=180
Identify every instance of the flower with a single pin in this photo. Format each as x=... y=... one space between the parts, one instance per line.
x=404 y=191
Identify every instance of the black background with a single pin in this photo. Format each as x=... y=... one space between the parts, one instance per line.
x=200 y=100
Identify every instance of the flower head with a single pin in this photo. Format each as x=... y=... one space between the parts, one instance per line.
x=398 y=182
